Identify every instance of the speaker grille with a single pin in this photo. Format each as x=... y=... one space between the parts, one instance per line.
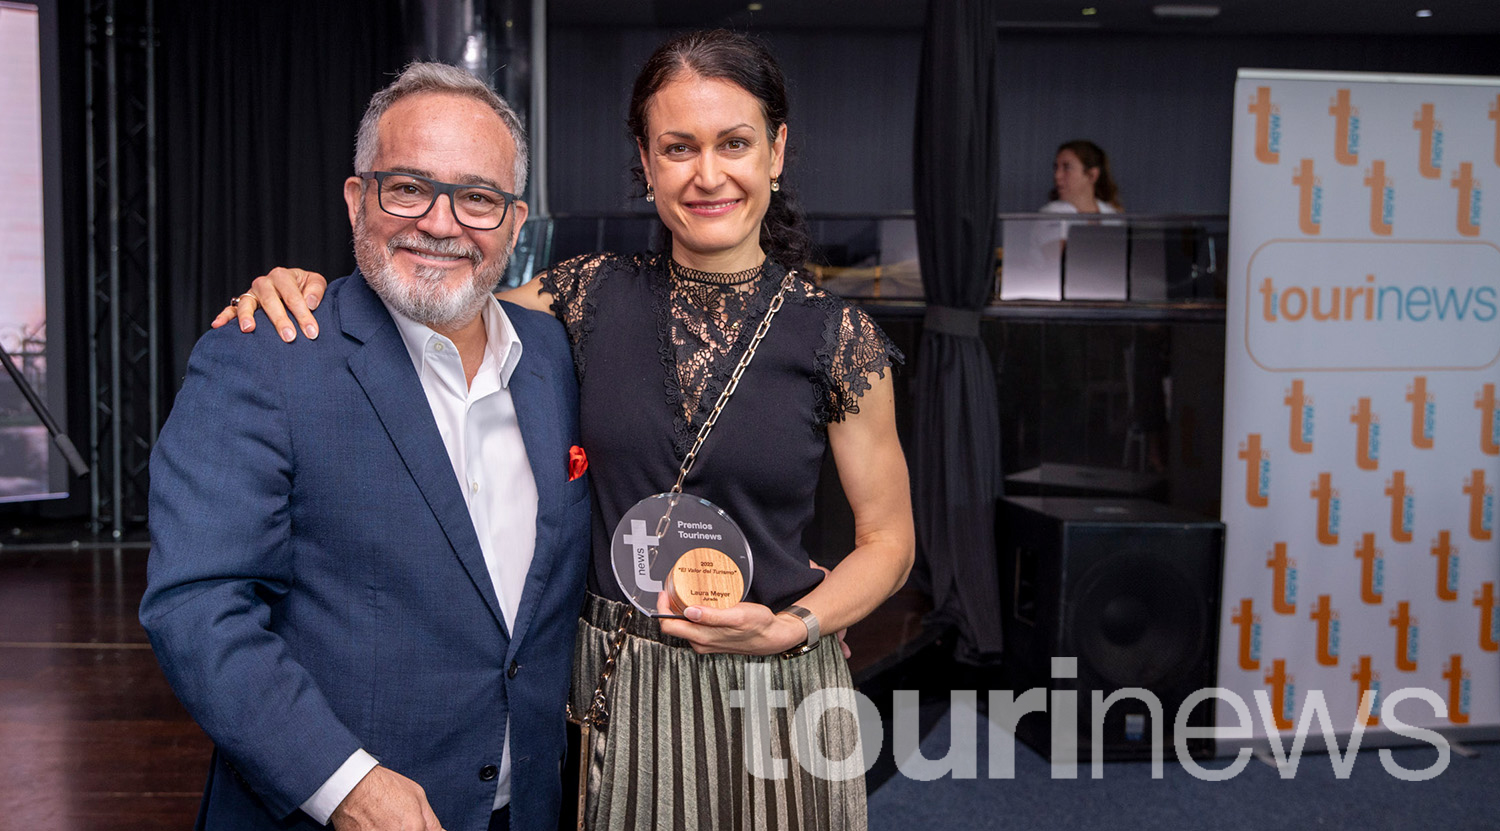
x=1131 y=589
x=1137 y=622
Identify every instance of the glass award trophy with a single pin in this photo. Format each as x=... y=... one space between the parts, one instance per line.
x=685 y=548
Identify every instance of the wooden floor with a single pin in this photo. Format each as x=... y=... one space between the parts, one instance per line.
x=91 y=737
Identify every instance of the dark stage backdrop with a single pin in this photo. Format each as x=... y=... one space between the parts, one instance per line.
x=259 y=105
x=853 y=100
x=1159 y=104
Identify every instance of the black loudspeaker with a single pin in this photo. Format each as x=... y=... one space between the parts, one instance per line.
x=1131 y=589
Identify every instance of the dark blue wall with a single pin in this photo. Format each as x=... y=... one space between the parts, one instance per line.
x=1161 y=106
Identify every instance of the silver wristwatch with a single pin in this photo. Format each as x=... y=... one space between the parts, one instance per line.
x=814 y=630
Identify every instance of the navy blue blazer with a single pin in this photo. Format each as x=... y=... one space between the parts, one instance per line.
x=316 y=585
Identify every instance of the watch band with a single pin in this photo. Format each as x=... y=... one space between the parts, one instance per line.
x=810 y=620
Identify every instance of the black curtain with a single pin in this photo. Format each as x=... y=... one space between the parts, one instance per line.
x=957 y=423
x=260 y=103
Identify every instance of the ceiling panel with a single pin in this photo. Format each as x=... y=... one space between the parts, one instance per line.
x=1235 y=16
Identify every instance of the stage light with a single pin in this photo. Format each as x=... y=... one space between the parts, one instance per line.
x=1424 y=12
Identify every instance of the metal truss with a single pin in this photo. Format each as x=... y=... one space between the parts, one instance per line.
x=123 y=257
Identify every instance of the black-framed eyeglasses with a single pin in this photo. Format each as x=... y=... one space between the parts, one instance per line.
x=410 y=197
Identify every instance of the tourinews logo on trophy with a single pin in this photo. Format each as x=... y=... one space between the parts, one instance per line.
x=685 y=547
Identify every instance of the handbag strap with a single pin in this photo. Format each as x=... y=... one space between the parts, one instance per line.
x=734 y=382
x=597 y=714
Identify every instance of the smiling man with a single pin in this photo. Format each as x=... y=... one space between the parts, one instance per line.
x=367 y=595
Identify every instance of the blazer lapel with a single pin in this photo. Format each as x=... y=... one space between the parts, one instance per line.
x=383 y=369
x=535 y=398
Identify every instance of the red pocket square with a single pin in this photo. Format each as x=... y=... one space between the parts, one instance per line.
x=578 y=462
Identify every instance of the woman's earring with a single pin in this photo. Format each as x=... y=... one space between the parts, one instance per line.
x=650 y=194
x=775 y=185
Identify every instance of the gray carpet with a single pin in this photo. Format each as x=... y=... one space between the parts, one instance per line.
x=1465 y=796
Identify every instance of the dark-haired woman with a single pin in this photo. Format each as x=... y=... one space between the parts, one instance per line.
x=707 y=728
x=1081 y=181
x=1081 y=184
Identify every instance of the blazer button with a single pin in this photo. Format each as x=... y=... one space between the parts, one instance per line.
x=488 y=773
x=514 y=668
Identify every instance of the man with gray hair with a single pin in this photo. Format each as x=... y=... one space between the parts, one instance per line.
x=367 y=594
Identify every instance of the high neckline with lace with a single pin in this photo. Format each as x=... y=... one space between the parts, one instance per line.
x=702 y=329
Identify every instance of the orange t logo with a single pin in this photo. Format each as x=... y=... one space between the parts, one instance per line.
x=1401 y=507
x=1257 y=470
x=1344 y=129
x=1382 y=199
x=1422 y=407
x=1299 y=434
x=1447 y=567
x=1429 y=151
x=1489 y=633
x=1371 y=570
x=1328 y=630
x=1481 y=506
x=1366 y=679
x=1367 y=436
x=1406 y=637
x=1458 y=701
x=1489 y=429
x=1249 y=627
x=1328 y=504
x=1264 y=112
x=1278 y=680
x=1309 y=205
x=1468 y=219
x=1283 y=581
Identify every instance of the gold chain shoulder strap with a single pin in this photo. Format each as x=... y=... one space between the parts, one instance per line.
x=734 y=383
x=597 y=714
x=734 y=380
x=598 y=711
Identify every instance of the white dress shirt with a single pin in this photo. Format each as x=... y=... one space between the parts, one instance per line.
x=483 y=438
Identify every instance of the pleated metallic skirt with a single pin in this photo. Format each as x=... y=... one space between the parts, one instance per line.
x=704 y=741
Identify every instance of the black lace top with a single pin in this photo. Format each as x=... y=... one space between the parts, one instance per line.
x=653 y=352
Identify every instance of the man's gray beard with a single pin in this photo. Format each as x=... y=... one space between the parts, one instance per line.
x=425 y=299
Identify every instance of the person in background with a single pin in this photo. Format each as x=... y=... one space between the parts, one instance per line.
x=1082 y=184
x=1081 y=181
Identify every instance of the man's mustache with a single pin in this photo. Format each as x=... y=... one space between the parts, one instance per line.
x=427 y=242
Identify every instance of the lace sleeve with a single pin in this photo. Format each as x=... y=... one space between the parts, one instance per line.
x=571 y=283
x=854 y=347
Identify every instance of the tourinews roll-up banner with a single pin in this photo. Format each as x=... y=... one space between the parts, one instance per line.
x=1361 y=415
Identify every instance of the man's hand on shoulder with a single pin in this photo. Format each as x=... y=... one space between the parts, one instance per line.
x=385 y=801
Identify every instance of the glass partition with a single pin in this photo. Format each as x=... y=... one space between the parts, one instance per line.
x=1108 y=355
x=1123 y=258
x=1147 y=258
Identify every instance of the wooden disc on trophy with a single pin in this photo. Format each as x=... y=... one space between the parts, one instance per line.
x=704 y=577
